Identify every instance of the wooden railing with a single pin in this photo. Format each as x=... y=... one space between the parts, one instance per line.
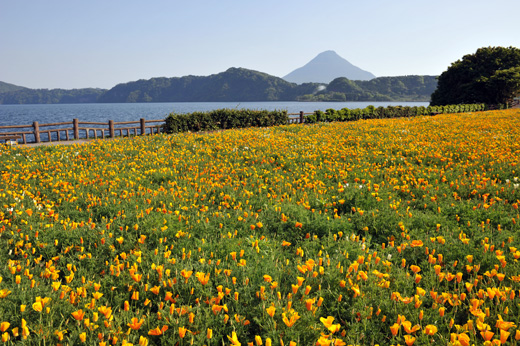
x=297 y=118
x=80 y=130
x=38 y=133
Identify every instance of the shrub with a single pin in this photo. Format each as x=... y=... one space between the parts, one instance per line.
x=224 y=119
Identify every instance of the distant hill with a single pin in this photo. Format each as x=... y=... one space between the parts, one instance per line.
x=402 y=88
x=235 y=84
x=6 y=87
x=326 y=67
x=38 y=96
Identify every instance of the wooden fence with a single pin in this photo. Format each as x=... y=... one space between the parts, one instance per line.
x=76 y=129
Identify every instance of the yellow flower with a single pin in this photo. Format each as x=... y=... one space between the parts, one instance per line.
x=271 y=310
x=25 y=330
x=4 y=293
x=37 y=306
x=5 y=337
x=233 y=339
x=83 y=337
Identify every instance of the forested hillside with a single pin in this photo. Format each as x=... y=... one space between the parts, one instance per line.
x=235 y=84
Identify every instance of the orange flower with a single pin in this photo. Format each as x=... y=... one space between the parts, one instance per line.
x=78 y=315
x=271 y=310
x=394 y=329
x=409 y=340
x=503 y=336
x=487 y=335
x=416 y=243
x=289 y=322
x=158 y=331
x=463 y=339
x=182 y=332
x=430 y=329
x=407 y=325
x=136 y=324
x=308 y=303
x=4 y=326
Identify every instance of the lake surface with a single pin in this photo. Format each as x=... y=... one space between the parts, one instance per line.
x=102 y=112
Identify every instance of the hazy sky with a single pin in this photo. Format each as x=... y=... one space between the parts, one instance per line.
x=100 y=43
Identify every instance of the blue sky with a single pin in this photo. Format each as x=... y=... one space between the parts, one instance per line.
x=100 y=43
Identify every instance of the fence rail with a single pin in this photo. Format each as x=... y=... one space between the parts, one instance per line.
x=77 y=129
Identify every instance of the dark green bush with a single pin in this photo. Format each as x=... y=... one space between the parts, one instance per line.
x=224 y=119
x=371 y=112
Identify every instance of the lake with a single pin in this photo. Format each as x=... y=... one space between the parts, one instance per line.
x=102 y=112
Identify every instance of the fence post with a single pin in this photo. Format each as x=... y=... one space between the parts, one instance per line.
x=111 y=128
x=75 y=125
x=301 y=117
x=143 y=127
x=36 y=132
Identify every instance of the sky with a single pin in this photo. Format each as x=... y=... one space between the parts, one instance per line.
x=100 y=43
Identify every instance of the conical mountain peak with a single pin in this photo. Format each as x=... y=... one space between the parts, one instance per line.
x=325 y=67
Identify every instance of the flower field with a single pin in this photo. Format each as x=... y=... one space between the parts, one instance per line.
x=398 y=231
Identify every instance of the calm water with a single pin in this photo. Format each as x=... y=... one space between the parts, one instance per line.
x=102 y=112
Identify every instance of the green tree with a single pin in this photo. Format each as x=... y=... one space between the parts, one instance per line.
x=491 y=75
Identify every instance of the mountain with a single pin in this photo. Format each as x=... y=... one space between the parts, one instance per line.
x=235 y=84
x=324 y=68
x=39 y=96
x=6 y=87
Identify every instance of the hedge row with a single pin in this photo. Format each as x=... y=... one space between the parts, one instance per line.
x=240 y=118
x=372 y=112
x=224 y=119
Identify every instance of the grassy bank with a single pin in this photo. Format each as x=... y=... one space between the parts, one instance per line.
x=396 y=231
